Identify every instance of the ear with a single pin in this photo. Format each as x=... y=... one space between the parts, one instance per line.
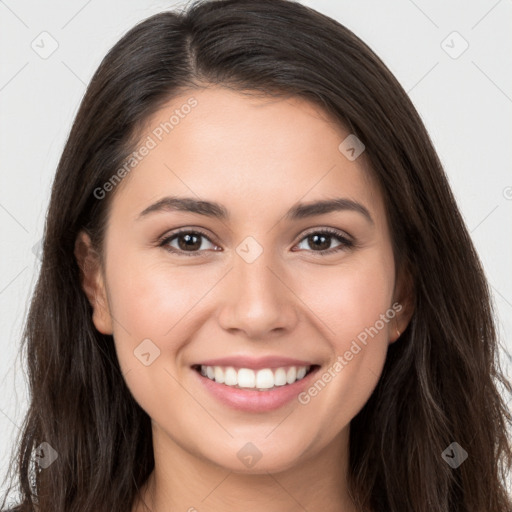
x=403 y=304
x=92 y=282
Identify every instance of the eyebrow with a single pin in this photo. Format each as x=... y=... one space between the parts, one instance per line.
x=216 y=210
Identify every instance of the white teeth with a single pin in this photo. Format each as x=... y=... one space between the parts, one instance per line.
x=263 y=379
x=280 y=377
x=291 y=375
x=246 y=378
x=230 y=377
x=218 y=374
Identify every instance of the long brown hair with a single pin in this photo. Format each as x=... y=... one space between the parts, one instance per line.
x=441 y=381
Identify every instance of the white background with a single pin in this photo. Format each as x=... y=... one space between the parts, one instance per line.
x=465 y=102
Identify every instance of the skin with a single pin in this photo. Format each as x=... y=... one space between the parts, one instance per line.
x=257 y=157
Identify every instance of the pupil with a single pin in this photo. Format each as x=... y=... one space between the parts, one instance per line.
x=188 y=239
x=325 y=244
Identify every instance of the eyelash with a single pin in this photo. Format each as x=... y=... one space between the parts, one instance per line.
x=345 y=243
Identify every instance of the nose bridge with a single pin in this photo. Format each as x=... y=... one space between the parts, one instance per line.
x=259 y=301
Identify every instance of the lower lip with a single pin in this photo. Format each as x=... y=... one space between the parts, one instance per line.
x=252 y=400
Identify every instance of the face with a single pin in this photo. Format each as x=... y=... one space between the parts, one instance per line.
x=266 y=288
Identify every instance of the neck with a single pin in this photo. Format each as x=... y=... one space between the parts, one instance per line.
x=184 y=481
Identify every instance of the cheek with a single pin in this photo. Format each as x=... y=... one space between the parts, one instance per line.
x=354 y=303
x=150 y=299
x=348 y=298
x=157 y=301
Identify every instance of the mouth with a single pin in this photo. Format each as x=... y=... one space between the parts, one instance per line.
x=261 y=379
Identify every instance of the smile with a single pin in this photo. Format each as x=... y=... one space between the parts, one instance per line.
x=254 y=390
x=247 y=378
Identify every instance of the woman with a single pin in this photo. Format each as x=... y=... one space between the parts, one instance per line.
x=256 y=279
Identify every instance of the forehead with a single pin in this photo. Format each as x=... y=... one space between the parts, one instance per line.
x=254 y=154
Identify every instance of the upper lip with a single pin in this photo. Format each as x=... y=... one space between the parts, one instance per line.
x=255 y=363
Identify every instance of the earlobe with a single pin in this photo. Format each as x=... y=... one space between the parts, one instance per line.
x=405 y=306
x=92 y=282
x=399 y=324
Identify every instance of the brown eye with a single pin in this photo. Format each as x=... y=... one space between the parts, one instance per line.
x=187 y=242
x=320 y=241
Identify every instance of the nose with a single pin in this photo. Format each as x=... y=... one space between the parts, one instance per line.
x=258 y=299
